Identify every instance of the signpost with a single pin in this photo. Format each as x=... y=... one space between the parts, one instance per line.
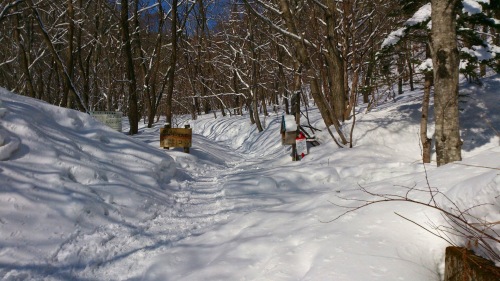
x=111 y=119
x=176 y=137
x=301 y=143
x=291 y=135
x=288 y=130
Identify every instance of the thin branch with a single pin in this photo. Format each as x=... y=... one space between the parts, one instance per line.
x=6 y=8
x=424 y=228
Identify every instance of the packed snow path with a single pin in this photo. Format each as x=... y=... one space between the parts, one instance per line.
x=197 y=205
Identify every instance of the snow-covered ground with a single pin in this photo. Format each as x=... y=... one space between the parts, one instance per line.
x=79 y=201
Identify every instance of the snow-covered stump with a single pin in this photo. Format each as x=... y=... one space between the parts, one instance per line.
x=461 y=264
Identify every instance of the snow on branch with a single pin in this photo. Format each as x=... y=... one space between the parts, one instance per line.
x=473 y=7
x=394 y=37
x=422 y=15
x=482 y=53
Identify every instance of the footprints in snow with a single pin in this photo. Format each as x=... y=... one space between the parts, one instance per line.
x=204 y=198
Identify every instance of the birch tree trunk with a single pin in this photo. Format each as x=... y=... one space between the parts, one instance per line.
x=445 y=67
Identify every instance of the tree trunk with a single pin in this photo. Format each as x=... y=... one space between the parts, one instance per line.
x=264 y=102
x=149 y=94
x=249 y=105
x=410 y=67
x=445 y=61
x=426 y=142
x=237 y=98
x=282 y=88
x=400 y=63
x=68 y=95
x=367 y=87
x=255 y=78
x=335 y=66
x=84 y=64
x=133 y=111
x=173 y=62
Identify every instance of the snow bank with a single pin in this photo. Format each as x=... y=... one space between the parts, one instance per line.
x=68 y=186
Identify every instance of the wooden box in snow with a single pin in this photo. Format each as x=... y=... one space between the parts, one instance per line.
x=175 y=137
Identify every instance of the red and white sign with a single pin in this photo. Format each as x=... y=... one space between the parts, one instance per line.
x=301 y=145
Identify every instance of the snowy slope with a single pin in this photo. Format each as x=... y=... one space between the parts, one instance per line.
x=70 y=187
x=82 y=202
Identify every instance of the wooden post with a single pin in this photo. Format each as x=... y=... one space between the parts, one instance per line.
x=167 y=126
x=186 y=149
x=296 y=112
x=296 y=106
x=294 y=152
x=295 y=155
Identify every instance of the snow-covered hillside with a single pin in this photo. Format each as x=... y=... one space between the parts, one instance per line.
x=79 y=201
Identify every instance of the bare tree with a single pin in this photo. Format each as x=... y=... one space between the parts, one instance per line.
x=290 y=16
x=197 y=54
x=231 y=56
x=65 y=73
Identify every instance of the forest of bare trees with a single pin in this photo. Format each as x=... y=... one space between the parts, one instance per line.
x=151 y=58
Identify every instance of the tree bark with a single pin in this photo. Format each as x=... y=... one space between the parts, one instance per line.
x=173 y=62
x=133 y=112
x=282 y=88
x=68 y=95
x=255 y=76
x=335 y=66
x=445 y=67
x=84 y=64
x=426 y=142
